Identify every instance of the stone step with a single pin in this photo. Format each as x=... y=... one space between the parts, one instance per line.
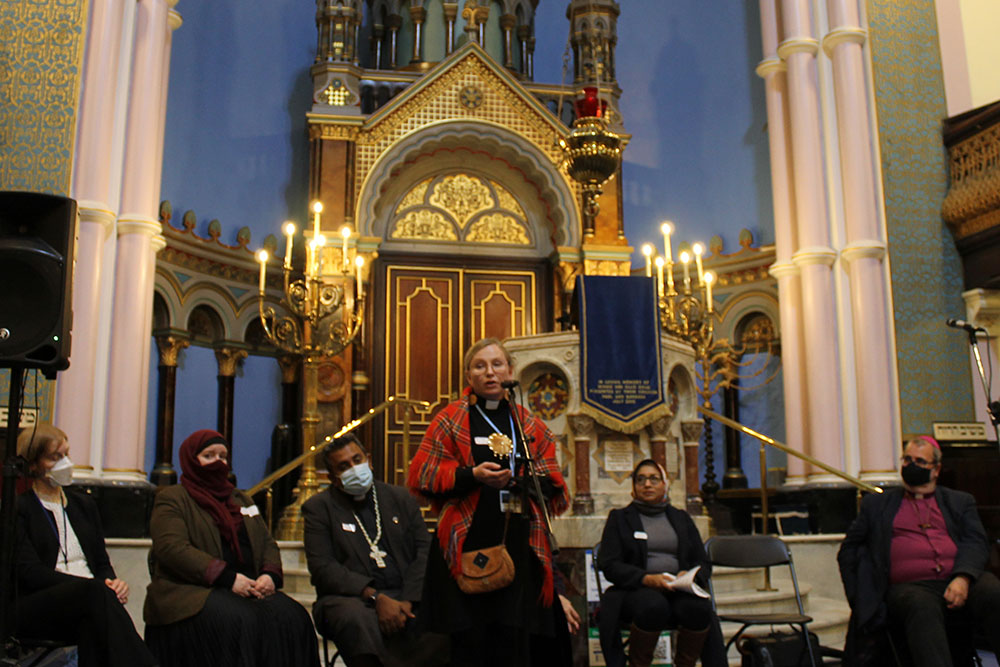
x=297 y=580
x=752 y=601
x=732 y=579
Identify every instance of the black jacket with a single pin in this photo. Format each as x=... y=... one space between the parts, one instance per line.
x=38 y=543
x=622 y=559
x=864 y=556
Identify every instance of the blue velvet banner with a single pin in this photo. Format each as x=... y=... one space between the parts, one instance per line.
x=620 y=363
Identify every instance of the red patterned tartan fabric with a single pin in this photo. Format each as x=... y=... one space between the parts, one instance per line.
x=445 y=447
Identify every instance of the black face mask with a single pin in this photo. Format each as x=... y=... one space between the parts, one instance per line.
x=914 y=475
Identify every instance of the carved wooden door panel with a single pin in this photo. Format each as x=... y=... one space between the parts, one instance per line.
x=431 y=316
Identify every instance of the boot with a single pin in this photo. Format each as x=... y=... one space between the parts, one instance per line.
x=641 y=644
x=689 y=643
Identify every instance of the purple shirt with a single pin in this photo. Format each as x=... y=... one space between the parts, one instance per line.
x=921 y=547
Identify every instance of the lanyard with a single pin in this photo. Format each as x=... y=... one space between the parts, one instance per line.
x=64 y=550
x=513 y=433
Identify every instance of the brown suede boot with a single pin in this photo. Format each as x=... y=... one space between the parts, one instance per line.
x=689 y=643
x=641 y=645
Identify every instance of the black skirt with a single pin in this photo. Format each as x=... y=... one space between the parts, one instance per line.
x=231 y=631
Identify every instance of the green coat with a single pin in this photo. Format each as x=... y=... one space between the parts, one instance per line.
x=186 y=556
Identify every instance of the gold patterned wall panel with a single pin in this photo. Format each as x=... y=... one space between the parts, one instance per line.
x=463 y=196
x=40 y=65
x=501 y=308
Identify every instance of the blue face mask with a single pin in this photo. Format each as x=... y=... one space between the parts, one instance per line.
x=357 y=480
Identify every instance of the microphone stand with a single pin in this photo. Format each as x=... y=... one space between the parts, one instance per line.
x=8 y=519
x=530 y=461
x=992 y=408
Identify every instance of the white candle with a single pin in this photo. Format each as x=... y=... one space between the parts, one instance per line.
x=659 y=276
x=317 y=209
x=698 y=250
x=262 y=258
x=359 y=262
x=667 y=228
x=709 y=279
x=289 y=230
x=318 y=256
x=310 y=252
x=685 y=260
x=345 y=233
x=647 y=250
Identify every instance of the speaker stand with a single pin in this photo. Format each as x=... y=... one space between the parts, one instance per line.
x=8 y=515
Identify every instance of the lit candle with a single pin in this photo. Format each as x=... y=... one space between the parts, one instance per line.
x=359 y=262
x=685 y=260
x=709 y=279
x=698 y=250
x=659 y=276
x=317 y=209
x=345 y=233
x=667 y=228
x=289 y=230
x=647 y=250
x=262 y=258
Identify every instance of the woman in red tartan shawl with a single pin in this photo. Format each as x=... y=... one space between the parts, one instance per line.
x=462 y=468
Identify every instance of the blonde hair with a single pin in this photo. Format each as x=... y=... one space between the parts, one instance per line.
x=33 y=442
x=484 y=343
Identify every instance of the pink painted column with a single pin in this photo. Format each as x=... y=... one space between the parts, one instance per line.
x=814 y=257
x=93 y=182
x=866 y=247
x=773 y=71
x=138 y=228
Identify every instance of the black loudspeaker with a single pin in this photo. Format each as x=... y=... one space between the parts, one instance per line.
x=37 y=235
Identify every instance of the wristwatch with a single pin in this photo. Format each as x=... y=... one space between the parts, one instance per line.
x=371 y=598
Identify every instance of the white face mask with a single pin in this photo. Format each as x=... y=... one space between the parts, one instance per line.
x=62 y=472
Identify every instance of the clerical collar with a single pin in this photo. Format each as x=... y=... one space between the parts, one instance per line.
x=491 y=404
x=487 y=403
x=916 y=496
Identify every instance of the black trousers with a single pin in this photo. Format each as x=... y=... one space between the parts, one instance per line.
x=918 y=609
x=87 y=613
x=654 y=610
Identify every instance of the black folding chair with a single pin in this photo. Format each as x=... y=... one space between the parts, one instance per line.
x=756 y=551
x=600 y=590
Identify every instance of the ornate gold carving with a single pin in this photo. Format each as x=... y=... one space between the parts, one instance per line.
x=170 y=347
x=229 y=358
x=328 y=131
x=506 y=200
x=337 y=94
x=414 y=197
x=426 y=225
x=606 y=267
x=973 y=201
x=498 y=228
x=289 y=364
x=462 y=196
x=470 y=97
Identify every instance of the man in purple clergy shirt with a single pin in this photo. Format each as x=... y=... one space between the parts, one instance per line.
x=912 y=554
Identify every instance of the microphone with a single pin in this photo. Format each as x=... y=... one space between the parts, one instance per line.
x=509 y=384
x=962 y=324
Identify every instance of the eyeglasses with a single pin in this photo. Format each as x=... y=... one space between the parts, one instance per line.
x=923 y=463
x=652 y=479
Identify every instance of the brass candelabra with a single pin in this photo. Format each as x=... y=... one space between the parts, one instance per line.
x=323 y=313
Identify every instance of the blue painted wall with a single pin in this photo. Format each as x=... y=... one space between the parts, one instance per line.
x=236 y=146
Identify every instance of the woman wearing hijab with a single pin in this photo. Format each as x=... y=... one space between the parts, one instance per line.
x=644 y=546
x=213 y=597
x=67 y=589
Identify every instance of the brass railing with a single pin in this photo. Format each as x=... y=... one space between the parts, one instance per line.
x=267 y=484
x=769 y=441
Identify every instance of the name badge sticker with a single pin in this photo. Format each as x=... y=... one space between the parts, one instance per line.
x=480 y=440
x=640 y=535
x=349 y=527
x=250 y=511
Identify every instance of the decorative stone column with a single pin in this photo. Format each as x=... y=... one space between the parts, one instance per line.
x=95 y=182
x=507 y=23
x=813 y=255
x=393 y=22
x=378 y=34
x=658 y=432
x=418 y=15
x=169 y=346
x=523 y=33
x=875 y=385
x=450 y=14
x=228 y=357
x=584 y=433
x=138 y=234
x=690 y=438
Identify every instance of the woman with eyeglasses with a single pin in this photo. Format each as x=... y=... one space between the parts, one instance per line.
x=644 y=548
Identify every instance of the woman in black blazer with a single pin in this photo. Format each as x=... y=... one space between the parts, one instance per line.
x=67 y=589
x=640 y=543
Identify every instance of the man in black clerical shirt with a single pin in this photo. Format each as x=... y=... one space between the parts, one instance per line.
x=366 y=548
